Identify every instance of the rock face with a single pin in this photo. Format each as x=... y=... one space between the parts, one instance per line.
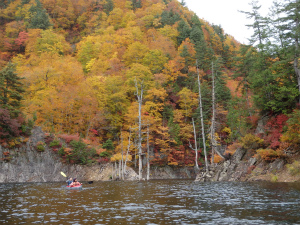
x=29 y=165
x=226 y=171
x=241 y=167
x=168 y=172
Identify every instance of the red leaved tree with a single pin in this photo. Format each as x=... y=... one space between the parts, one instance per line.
x=274 y=129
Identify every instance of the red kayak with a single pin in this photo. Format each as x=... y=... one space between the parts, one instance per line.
x=76 y=187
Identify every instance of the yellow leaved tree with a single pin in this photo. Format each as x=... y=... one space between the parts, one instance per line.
x=187 y=101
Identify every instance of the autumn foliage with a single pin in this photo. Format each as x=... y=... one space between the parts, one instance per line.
x=80 y=63
x=274 y=128
x=291 y=135
x=269 y=155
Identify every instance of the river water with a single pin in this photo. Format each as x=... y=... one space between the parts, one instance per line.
x=154 y=202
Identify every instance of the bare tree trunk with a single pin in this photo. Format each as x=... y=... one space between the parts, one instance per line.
x=135 y=153
x=128 y=147
x=213 y=141
x=296 y=59
x=89 y=127
x=196 y=146
x=116 y=170
x=148 y=152
x=139 y=95
x=122 y=161
x=119 y=175
x=135 y=158
x=202 y=122
x=112 y=171
x=213 y=120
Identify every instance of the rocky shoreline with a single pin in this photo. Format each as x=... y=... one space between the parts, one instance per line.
x=29 y=165
x=243 y=167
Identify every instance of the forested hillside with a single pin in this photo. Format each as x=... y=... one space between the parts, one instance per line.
x=110 y=76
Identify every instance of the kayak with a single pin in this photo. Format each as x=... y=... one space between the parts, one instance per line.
x=77 y=187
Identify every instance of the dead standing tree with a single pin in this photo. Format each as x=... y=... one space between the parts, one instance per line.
x=214 y=142
x=213 y=119
x=139 y=93
x=196 y=147
x=127 y=153
x=201 y=117
x=148 y=157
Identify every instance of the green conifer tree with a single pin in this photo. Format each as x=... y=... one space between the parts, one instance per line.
x=223 y=94
x=108 y=7
x=204 y=53
x=184 y=31
x=289 y=29
x=108 y=145
x=136 y=4
x=39 y=17
x=11 y=89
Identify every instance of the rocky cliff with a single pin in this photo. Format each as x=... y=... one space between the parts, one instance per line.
x=29 y=165
x=168 y=172
x=26 y=164
x=242 y=166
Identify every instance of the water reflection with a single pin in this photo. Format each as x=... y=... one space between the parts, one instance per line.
x=154 y=202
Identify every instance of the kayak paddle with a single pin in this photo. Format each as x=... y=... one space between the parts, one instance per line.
x=62 y=173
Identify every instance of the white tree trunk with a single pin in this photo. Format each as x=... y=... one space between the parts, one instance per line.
x=202 y=122
x=213 y=141
x=296 y=59
x=139 y=95
x=119 y=167
x=128 y=148
x=122 y=161
x=196 y=147
x=116 y=170
x=148 y=152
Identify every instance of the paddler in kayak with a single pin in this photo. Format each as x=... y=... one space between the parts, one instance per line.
x=75 y=183
x=69 y=181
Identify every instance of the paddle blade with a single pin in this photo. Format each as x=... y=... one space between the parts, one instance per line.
x=62 y=173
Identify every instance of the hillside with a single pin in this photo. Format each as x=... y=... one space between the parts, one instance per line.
x=122 y=76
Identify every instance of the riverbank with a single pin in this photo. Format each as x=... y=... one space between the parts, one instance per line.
x=243 y=166
x=26 y=164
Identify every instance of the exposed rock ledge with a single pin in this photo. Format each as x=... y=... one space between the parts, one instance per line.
x=243 y=167
x=168 y=172
x=29 y=165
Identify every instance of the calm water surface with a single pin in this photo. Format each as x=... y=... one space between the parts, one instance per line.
x=154 y=202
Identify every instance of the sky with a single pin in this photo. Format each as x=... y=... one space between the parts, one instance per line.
x=226 y=13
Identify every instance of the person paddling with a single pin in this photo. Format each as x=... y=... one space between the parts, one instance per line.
x=69 y=181
x=75 y=183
